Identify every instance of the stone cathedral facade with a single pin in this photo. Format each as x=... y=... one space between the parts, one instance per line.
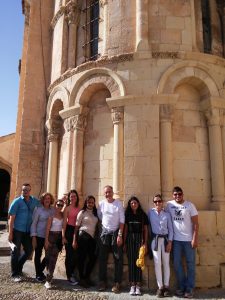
x=129 y=93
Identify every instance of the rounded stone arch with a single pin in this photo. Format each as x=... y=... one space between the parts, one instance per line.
x=58 y=93
x=92 y=81
x=194 y=73
x=5 y=179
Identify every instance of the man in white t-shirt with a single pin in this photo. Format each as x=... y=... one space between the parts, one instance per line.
x=185 y=225
x=111 y=214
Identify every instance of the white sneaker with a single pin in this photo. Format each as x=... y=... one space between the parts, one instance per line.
x=132 y=290
x=73 y=281
x=48 y=285
x=17 y=279
x=138 y=291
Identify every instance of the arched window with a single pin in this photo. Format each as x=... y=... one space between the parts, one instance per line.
x=91 y=32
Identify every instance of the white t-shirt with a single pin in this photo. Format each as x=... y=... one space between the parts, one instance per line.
x=181 y=218
x=111 y=214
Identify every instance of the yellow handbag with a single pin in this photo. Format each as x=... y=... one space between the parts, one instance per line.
x=140 y=262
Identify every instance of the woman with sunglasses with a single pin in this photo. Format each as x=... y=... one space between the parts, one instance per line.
x=135 y=235
x=162 y=236
x=84 y=240
x=53 y=241
x=69 y=222
x=38 y=230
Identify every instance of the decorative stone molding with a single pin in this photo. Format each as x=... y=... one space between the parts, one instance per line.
x=79 y=122
x=163 y=55
x=57 y=16
x=117 y=114
x=166 y=112
x=72 y=12
x=104 y=61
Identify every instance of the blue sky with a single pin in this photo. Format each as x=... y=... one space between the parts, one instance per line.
x=11 y=32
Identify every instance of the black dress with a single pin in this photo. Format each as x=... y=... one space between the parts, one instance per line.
x=135 y=234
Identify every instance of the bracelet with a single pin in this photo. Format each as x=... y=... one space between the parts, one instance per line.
x=120 y=234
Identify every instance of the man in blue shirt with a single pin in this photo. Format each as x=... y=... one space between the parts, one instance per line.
x=20 y=219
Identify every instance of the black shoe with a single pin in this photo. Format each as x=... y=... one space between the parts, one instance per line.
x=84 y=283
x=160 y=293
x=167 y=292
x=89 y=282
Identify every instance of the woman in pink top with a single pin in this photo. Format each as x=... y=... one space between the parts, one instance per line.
x=69 y=222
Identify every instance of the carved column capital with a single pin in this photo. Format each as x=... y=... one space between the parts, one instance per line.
x=103 y=2
x=52 y=137
x=213 y=116
x=166 y=112
x=72 y=12
x=68 y=124
x=117 y=114
x=79 y=122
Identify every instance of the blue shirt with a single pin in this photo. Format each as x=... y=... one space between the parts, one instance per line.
x=23 y=211
x=161 y=223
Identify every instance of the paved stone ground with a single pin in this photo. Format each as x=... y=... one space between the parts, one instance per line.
x=29 y=289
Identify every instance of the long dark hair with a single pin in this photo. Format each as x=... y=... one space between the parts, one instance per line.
x=84 y=208
x=74 y=192
x=129 y=211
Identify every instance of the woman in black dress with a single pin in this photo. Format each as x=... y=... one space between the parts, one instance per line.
x=135 y=235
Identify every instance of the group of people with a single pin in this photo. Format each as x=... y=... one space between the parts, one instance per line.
x=92 y=232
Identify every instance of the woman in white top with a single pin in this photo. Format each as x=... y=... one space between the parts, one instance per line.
x=53 y=241
x=84 y=240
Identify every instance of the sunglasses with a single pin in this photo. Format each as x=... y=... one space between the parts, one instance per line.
x=157 y=201
x=59 y=205
x=25 y=190
x=178 y=194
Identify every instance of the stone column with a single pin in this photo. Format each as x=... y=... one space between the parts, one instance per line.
x=79 y=123
x=166 y=113
x=223 y=137
x=104 y=4
x=72 y=18
x=142 y=43
x=216 y=158
x=117 y=118
x=193 y=25
x=69 y=130
x=52 y=163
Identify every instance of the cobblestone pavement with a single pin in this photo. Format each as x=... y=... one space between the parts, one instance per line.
x=29 y=289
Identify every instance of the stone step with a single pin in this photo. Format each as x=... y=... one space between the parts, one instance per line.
x=4 y=251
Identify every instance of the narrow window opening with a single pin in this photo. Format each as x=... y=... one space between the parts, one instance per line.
x=206 y=25
x=91 y=29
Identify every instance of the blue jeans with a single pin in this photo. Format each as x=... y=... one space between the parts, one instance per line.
x=185 y=280
x=17 y=258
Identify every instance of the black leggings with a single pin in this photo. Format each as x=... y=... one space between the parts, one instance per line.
x=71 y=255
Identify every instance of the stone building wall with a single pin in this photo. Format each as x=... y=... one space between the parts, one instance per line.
x=146 y=115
